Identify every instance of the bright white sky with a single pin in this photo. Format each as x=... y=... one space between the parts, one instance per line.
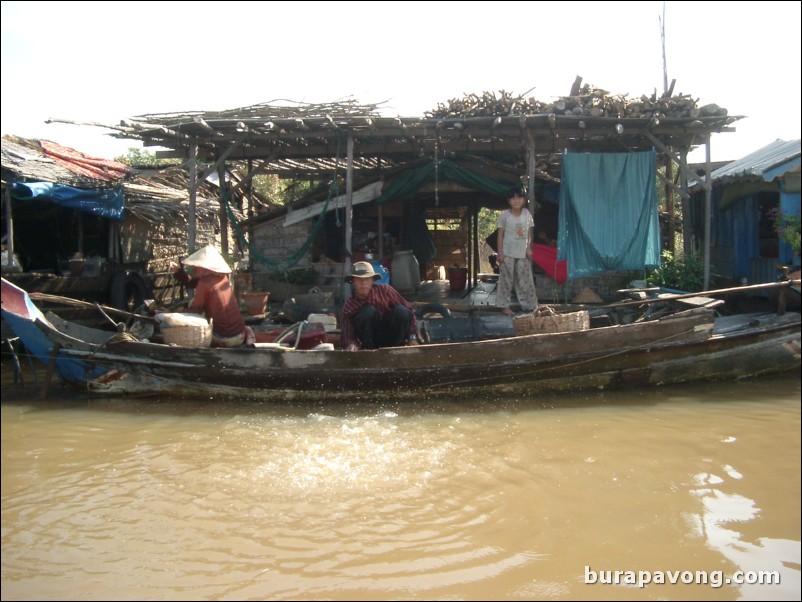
x=103 y=62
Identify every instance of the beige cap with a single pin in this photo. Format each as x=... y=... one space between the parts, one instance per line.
x=209 y=258
x=362 y=269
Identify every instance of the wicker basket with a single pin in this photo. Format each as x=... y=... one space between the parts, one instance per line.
x=199 y=335
x=545 y=320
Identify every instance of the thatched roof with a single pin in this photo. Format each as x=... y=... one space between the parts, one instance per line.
x=153 y=195
x=44 y=161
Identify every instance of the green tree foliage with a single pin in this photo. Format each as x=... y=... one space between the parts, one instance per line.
x=285 y=191
x=270 y=186
x=139 y=157
x=684 y=273
x=788 y=229
x=487 y=222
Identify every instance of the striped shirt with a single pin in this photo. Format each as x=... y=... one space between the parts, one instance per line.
x=384 y=298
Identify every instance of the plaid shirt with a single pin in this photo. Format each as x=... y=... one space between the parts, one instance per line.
x=384 y=298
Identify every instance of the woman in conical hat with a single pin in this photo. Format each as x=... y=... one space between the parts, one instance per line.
x=214 y=296
x=208 y=258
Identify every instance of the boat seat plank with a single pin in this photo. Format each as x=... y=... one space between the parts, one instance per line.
x=700 y=301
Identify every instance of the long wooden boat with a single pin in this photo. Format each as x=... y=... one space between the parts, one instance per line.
x=689 y=345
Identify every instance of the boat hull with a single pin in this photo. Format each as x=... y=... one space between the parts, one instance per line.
x=688 y=346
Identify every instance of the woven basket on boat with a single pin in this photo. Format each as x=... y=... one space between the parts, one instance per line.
x=194 y=335
x=545 y=320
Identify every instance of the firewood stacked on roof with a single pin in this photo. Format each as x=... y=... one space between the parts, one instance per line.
x=488 y=104
x=584 y=101
x=340 y=108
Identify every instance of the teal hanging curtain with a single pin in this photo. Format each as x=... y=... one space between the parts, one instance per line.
x=608 y=212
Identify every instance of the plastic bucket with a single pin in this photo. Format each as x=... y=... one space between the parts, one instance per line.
x=382 y=271
x=457 y=277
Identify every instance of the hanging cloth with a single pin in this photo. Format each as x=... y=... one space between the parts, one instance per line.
x=407 y=183
x=419 y=239
x=546 y=258
x=608 y=212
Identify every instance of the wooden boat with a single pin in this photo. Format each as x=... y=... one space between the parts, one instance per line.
x=688 y=345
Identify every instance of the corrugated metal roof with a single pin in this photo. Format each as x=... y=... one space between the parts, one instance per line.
x=761 y=161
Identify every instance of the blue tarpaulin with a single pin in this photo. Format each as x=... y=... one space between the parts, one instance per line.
x=102 y=202
x=608 y=212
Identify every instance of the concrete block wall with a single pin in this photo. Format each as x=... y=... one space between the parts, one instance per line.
x=276 y=242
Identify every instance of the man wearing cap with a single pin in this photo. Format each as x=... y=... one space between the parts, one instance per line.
x=376 y=315
x=214 y=296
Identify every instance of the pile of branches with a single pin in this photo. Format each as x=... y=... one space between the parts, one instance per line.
x=487 y=104
x=274 y=109
x=584 y=100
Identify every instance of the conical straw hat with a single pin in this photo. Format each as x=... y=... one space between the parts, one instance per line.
x=208 y=257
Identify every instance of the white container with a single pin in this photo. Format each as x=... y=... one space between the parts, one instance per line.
x=329 y=322
x=405 y=272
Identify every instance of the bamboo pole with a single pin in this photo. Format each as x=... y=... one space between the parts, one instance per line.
x=46 y=298
x=721 y=291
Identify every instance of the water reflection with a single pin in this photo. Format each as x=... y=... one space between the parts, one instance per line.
x=466 y=499
x=776 y=561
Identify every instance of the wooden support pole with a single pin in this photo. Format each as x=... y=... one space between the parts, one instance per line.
x=9 y=228
x=223 y=192
x=669 y=192
x=473 y=250
x=686 y=206
x=193 y=191
x=681 y=163
x=708 y=212
x=221 y=160
x=677 y=190
x=531 y=162
x=250 y=214
x=349 y=209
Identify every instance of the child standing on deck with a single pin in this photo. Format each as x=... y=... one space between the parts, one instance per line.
x=515 y=227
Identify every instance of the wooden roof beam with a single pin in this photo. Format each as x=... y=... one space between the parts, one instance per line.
x=200 y=122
